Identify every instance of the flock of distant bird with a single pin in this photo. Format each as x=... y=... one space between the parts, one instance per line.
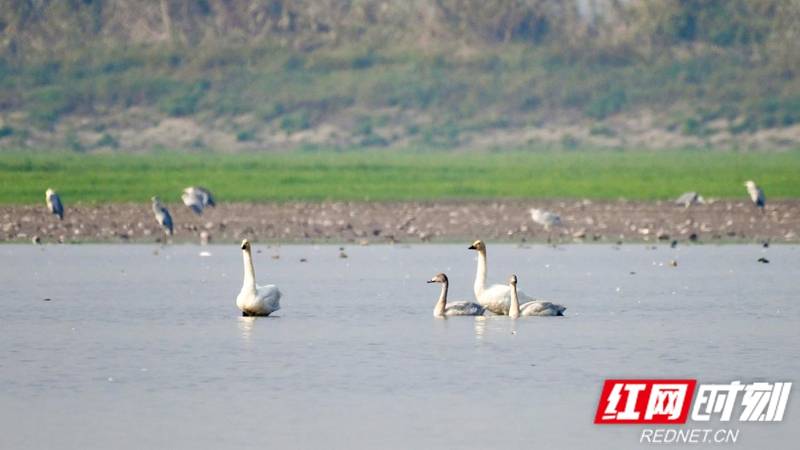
x=196 y=198
x=549 y=219
x=501 y=299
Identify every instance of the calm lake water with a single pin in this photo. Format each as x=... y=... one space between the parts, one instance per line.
x=143 y=347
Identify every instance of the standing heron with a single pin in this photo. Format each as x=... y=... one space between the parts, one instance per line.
x=756 y=194
x=162 y=216
x=197 y=198
x=54 y=203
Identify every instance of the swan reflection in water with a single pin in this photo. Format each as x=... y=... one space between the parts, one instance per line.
x=246 y=325
x=496 y=324
x=480 y=327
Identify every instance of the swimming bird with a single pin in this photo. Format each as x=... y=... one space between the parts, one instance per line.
x=497 y=297
x=162 y=216
x=443 y=308
x=54 y=203
x=756 y=194
x=690 y=198
x=256 y=300
x=535 y=308
x=197 y=198
x=545 y=218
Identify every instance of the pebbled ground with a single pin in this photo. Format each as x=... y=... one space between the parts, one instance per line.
x=437 y=221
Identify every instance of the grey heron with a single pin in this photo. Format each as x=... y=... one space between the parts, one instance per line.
x=54 y=203
x=162 y=216
x=756 y=194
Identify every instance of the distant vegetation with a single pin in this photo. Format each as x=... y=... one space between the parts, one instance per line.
x=424 y=73
x=408 y=175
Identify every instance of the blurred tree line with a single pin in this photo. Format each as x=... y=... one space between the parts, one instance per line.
x=767 y=29
x=733 y=59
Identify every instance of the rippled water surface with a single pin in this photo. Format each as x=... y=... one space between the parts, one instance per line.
x=143 y=347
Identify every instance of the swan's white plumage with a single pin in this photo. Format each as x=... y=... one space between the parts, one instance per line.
x=263 y=302
x=497 y=297
x=254 y=300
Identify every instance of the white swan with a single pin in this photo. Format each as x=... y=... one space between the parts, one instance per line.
x=256 y=300
x=534 y=308
x=497 y=297
x=443 y=308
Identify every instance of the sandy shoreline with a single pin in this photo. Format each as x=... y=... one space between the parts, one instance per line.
x=435 y=221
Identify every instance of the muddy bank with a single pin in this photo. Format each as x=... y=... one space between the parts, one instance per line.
x=444 y=221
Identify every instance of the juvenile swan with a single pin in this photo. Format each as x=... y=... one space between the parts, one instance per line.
x=530 y=308
x=497 y=297
x=442 y=308
x=256 y=300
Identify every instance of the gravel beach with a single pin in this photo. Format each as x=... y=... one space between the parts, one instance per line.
x=436 y=221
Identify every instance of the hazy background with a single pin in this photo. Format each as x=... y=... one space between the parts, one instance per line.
x=235 y=75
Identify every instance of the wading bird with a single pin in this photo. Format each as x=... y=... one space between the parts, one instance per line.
x=54 y=203
x=544 y=218
x=443 y=308
x=197 y=199
x=690 y=198
x=254 y=300
x=756 y=194
x=534 y=308
x=162 y=216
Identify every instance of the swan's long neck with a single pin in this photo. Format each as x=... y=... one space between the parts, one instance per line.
x=440 y=305
x=513 y=310
x=480 y=275
x=249 y=272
